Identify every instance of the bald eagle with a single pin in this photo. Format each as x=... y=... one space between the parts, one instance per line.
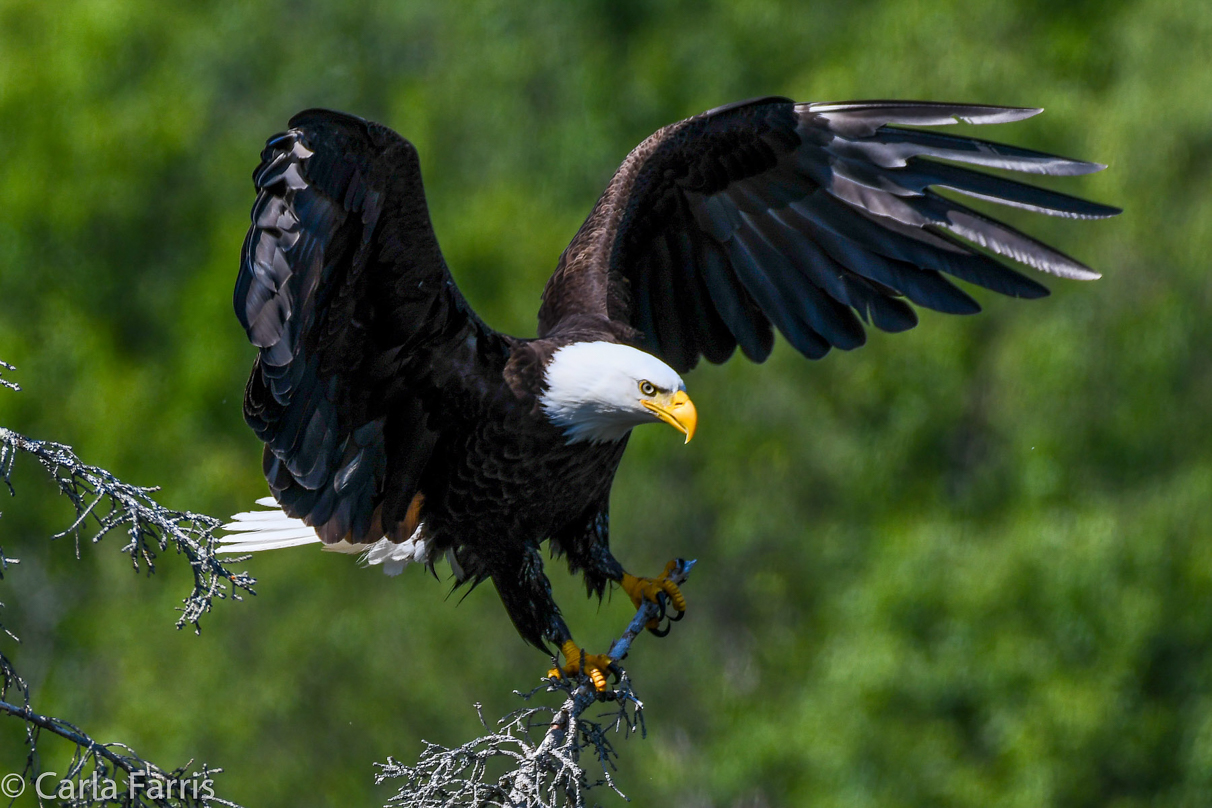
x=399 y=425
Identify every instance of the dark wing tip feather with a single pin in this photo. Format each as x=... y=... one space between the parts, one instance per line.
x=921 y=173
x=906 y=111
x=863 y=118
x=1068 y=167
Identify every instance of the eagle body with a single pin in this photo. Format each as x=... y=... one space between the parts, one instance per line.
x=398 y=424
x=497 y=487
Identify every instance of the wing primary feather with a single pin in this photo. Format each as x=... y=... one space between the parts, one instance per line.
x=917 y=247
x=924 y=287
x=893 y=148
x=756 y=266
x=862 y=118
x=749 y=326
x=714 y=339
x=922 y=173
x=889 y=314
x=674 y=330
x=845 y=286
x=1004 y=239
x=642 y=312
x=932 y=209
x=813 y=280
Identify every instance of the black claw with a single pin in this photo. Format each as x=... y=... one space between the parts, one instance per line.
x=676 y=617
x=660 y=602
x=659 y=632
x=663 y=614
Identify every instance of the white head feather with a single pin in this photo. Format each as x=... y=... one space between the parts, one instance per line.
x=593 y=389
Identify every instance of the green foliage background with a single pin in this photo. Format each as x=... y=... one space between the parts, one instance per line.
x=967 y=565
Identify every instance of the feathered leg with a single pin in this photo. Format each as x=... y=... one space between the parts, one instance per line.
x=587 y=545
x=526 y=593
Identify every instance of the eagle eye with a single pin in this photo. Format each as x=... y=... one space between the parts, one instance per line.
x=648 y=388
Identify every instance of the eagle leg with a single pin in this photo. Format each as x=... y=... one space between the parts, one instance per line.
x=657 y=590
x=526 y=593
x=578 y=662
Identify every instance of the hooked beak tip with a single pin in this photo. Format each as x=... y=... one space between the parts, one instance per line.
x=679 y=413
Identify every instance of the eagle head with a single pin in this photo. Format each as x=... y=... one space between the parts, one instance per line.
x=599 y=391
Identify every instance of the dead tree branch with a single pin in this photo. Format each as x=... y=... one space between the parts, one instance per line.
x=107 y=503
x=544 y=771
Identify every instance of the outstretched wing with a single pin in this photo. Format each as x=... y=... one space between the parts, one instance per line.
x=815 y=218
x=364 y=337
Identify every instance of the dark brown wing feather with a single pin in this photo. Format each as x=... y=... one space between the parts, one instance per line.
x=813 y=218
x=363 y=336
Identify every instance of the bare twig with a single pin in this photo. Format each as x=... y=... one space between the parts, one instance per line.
x=104 y=501
x=5 y=382
x=542 y=773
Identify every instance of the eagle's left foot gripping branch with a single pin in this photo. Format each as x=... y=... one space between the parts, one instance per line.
x=577 y=661
x=657 y=590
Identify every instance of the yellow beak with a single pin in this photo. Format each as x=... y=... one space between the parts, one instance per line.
x=677 y=410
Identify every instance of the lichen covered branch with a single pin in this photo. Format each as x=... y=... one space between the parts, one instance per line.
x=104 y=503
x=103 y=774
x=543 y=771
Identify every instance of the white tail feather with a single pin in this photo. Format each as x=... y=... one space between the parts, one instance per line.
x=253 y=531
x=265 y=530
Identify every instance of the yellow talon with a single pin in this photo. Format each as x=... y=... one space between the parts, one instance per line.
x=595 y=665
x=642 y=589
